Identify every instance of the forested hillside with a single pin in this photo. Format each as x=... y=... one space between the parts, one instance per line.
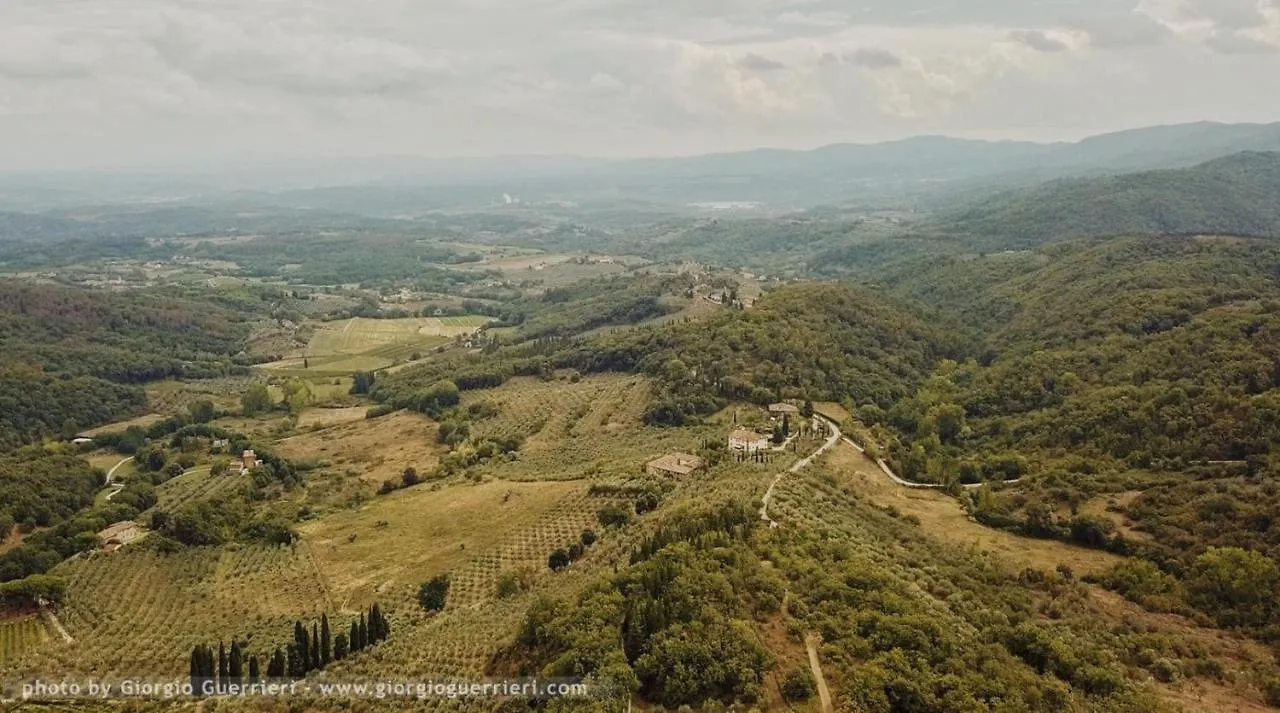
x=816 y=341
x=73 y=357
x=1235 y=195
x=1149 y=364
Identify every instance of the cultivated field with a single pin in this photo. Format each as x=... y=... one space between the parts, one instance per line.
x=17 y=636
x=590 y=429
x=140 y=421
x=361 y=344
x=372 y=449
x=137 y=613
x=386 y=548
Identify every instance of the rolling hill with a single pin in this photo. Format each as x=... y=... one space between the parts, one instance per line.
x=1235 y=195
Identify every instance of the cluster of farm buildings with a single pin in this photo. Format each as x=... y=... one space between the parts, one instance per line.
x=741 y=440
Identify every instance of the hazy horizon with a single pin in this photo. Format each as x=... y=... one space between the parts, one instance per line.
x=137 y=83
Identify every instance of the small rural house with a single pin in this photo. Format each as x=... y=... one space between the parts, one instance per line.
x=674 y=465
x=747 y=441
x=248 y=461
x=120 y=534
x=779 y=409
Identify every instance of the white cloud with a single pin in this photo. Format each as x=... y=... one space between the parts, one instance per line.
x=91 y=81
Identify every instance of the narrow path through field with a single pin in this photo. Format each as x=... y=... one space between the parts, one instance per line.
x=824 y=694
x=798 y=466
x=111 y=484
x=46 y=611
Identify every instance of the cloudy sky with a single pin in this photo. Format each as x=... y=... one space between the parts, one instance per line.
x=139 y=82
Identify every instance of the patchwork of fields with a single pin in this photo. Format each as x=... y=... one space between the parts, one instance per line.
x=361 y=344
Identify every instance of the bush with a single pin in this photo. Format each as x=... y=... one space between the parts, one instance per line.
x=558 y=560
x=588 y=537
x=433 y=592
x=613 y=516
x=798 y=686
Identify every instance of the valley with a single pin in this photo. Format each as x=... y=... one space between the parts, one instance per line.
x=653 y=453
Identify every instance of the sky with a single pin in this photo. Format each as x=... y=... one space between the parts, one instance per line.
x=169 y=82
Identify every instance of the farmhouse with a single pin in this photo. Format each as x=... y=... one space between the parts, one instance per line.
x=248 y=461
x=780 y=409
x=119 y=535
x=674 y=465
x=749 y=441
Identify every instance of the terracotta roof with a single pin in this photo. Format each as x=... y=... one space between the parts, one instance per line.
x=118 y=528
x=681 y=463
x=743 y=434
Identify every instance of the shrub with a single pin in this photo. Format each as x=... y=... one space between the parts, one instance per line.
x=798 y=686
x=433 y=592
x=558 y=560
x=613 y=516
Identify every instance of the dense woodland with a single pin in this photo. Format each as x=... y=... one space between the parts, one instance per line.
x=74 y=358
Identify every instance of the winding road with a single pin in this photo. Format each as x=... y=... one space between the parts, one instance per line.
x=116 y=488
x=907 y=483
x=798 y=466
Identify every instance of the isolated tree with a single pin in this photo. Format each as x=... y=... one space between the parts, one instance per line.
x=786 y=425
x=362 y=630
x=409 y=477
x=588 y=537
x=326 y=646
x=433 y=593
x=576 y=551
x=257 y=399
x=361 y=382
x=558 y=560
x=297 y=395
x=354 y=637
x=203 y=411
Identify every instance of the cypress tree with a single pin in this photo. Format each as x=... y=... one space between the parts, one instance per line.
x=375 y=628
x=326 y=645
x=315 y=648
x=197 y=667
x=354 y=639
x=340 y=647
x=255 y=673
x=296 y=669
x=363 y=630
x=275 y=667
x=235 y=662
x=222 y=661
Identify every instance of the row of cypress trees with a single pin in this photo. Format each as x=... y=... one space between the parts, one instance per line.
x=310 y=651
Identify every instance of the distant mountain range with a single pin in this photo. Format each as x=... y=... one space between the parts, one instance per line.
x=925 y=172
